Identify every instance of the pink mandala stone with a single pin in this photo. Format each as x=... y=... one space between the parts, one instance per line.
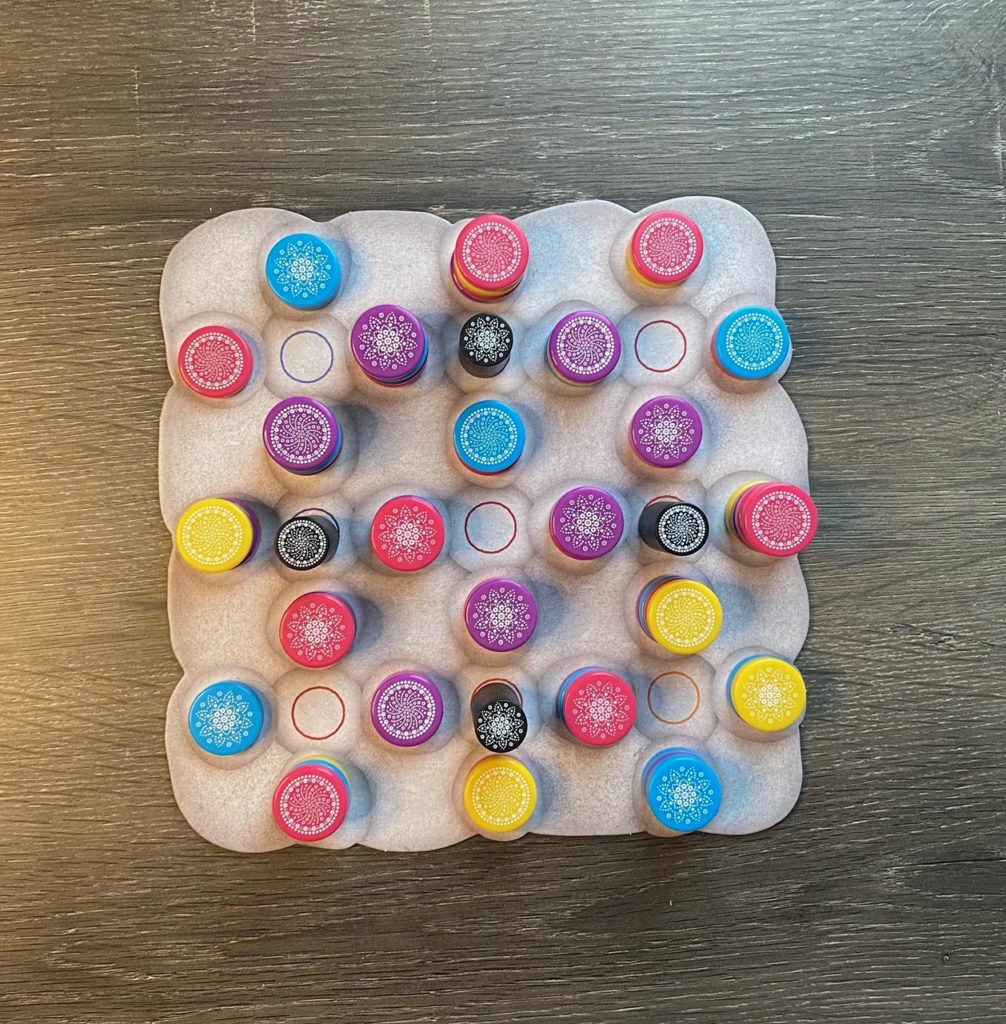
x=776 y=519
x=501 y=614
x=311 y=802
x=666 y=431
x=666 y=248
x=597 y=706
x=408 y=533
x=491 y=253
x=317 y=629
x=215 y=362
x=586 y=522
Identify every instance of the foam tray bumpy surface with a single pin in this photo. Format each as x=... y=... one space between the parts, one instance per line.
x=397 y=440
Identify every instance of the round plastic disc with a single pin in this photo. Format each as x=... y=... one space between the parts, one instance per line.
x=215 y=535
x=491 y=253
x=407 y=533
x=303 y=270
x=389 y=344
x=666 y=431
x=302 y=435
x=317 y=629
x=776 y=519
x=407 y=709
x=598 y=707
x=215 y=362
x=501 y=614
x=500 y=794
x=489 y=436
x=767 y=693
x=311 y=802
x=226 y=718
x=666 y=247
x=682 y=789
x=586 y=522
x=683 y=616
x=584 y=347
x=752 y=343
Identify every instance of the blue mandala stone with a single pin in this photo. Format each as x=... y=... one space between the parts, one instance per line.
x=226 y=718
x=681 y=789
x=303 y=271
x=489 y=437
x=752 y=343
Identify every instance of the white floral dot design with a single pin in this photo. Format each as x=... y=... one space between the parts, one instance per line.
x=409 y=535
x=406 y=710
x=300 y=433
x=502 y=618
x=781 y=520
x=310 y=805
x=487 y=340
x=488 y=436
x=387 y=341
x=668 y=246
x=685 y=796
x=682 y=529
x=590 y=523
x=301 y=268
x=601 y=710
x=302 y=544
x=501 y=797
x=224 y=720
x=755 y=341
x=666 y=432
x=491 y=252
x=214 y=361
x=316 y=632
x=771 y=695
x=501 y=726
x=585 y=346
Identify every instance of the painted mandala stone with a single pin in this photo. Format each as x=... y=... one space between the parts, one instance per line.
x=586 y=523
x=215 y=362
x=226 y=718
x=485 y=345
x=407 y=709
x=597 y=706
x=775 y=519
x=682 y=790
x=767 y=692
x=666 y=431
x=501 y=614
x=317 y=629
x=673 y=527
x=752 y=343
x=217 y=534
x=500 y=725
x=408 y=533
x=490 y=256
x=311 y=801
x=681 y=615
x=666 y=248
x=307 y=541
x=303 y=271
x=584 y=347
x=302 y=435
x=500 y=794
x=389 y=344
x=489 y=437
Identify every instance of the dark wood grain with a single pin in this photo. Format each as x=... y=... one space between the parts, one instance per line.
x=868 y=138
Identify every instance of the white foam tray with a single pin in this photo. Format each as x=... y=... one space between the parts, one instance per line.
x=398 y=441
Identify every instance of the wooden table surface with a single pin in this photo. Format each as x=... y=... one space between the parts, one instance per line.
x=868 y=138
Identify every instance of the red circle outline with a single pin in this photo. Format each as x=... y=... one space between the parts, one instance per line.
x=293 y=713
x=674 y=721
x=654 y=369
x=491 y=551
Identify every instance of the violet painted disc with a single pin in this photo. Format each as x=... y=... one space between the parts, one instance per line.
x=501 y=614
x=666 y=431
x=407 y=709
x=584 y=347
x=302 y=435
x=388 y=343
x=586 y=522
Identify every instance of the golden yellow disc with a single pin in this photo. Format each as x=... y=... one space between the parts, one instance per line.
x=500 y=794
x=214 y=535
x=768 y=693
x=728 y=512
x=684 y=616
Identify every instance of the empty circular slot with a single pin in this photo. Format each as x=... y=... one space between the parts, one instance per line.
x=490 y=527
x=660 y=346
x=673 y=698
x=306 y=356
x=318 y=713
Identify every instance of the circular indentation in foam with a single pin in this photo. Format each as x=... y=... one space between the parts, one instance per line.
x=318 y=712
x=306 y=356
x=673 y=698
x=660 y=346
x=490 y=527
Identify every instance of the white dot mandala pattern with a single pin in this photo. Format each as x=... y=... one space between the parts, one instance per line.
x=224 y=720
x=316 y=631
x=387 y=341
x=682 y=529
x=406 y=710
x=408 y=534
x=686 y=617
x=502 y=617
x=590 y=522
x=215 y=361
x=301 y=268
x=755 y=341
x=685 y=796
x=500 y=726
x=601 y=710
x=668 y=246
x=486 y=341
x=303 y=543
x=771 y=696
x=300 y=433
x=585 y=345
x=780 y=520
x=488 y=436
x=491 y=251
x=666 y=431
x=502 y=797
x=310 y=804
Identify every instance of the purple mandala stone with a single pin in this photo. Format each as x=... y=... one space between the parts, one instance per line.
x=389 y=344
x=302 y=435
x=501 y=614
x=584 y=347
x=586 y=522
x=407 y=709
x=666 y=431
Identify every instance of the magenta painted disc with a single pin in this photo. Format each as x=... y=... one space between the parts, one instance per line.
x=666 y=431
x=586 y=522
x=501 y=614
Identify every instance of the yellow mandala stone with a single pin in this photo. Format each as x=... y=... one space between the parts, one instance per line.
x=500 y=794
x=684 y=616
x=768 y=693
x=214 y=535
